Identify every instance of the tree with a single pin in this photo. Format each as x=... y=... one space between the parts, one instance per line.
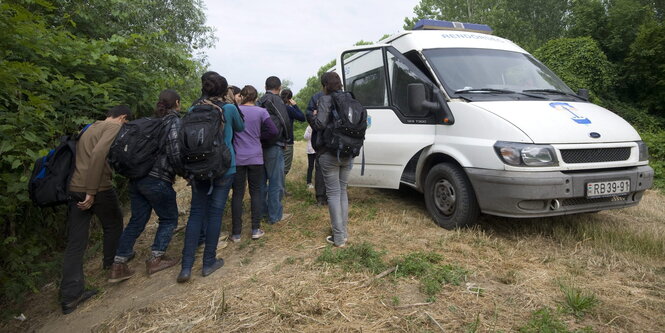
x=645 y=68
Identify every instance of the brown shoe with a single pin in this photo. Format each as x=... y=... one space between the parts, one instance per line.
x=157 y=264
x=120 y=272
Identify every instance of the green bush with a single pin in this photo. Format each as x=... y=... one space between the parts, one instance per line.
x=644 y=68
x=56 y=76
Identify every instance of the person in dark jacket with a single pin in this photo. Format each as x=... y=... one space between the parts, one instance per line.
x=154 y=192
x=319 y=185
x=294 y=114
x=273 y=151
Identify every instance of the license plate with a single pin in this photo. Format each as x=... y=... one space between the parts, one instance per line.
x=610 y=188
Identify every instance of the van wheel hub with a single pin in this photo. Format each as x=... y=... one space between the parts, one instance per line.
x=444 y=197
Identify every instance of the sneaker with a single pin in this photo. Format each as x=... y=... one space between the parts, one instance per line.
x=154 y=265
x=207 y=270
x=235 y=238
x=310 y=186
x=257 y=233
x=68 y=308
x=185 y=275
x=120 y=272
x=331 y=240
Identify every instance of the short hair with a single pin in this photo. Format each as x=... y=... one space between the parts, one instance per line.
x=248 y=94
x=119 y=111
x=286 y=95
x=213 y=85
x=273 y=83
x=331 y=82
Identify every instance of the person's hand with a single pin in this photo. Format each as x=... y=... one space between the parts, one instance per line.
x=87 y=203
x=315 y=112
x=292 y=102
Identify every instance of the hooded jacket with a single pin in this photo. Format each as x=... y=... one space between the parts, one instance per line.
x=168 y=162
x=280 y=116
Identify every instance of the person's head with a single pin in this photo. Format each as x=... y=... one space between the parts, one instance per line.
x=286 y=96
x=119 y=113
x=273 y=83
x=330 y=82
x=213 y=85
x=168 y=100
x=248 y=95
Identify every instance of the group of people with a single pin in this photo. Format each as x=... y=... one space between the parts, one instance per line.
x=259 y=135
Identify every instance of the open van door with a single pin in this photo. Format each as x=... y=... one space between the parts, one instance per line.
x=401 y=104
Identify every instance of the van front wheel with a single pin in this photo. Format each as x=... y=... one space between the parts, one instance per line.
x=449 y=197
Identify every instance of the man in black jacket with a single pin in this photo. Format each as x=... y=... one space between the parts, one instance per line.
x=154 y=191
x=273 y=151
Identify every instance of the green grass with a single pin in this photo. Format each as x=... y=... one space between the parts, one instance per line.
x=576 y=301
x=545 y=320
x=356 y=258
x=426 y=267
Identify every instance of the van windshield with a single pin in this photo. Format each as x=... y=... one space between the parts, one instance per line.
x=494 y=74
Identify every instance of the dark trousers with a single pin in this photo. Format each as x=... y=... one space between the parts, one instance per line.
x=319 y=184
x=310 y=167
x=107 y=209
x=255 y=176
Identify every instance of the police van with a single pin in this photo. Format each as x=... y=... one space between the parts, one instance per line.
x=477 y=124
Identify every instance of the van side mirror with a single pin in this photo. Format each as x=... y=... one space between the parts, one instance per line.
x=584 y=93
x=417 y=98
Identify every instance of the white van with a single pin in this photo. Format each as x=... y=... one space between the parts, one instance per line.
x=477 y=124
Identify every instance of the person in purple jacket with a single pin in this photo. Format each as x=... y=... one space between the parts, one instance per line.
x=249 y=161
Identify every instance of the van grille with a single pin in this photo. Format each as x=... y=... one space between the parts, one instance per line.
x=585 y=201
x=595 y=155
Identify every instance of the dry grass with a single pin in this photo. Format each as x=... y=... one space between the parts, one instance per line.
x=514 y=268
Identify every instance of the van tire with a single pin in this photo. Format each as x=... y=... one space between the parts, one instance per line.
x=450 y=198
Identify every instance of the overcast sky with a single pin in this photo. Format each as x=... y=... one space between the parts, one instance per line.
x=293 y=39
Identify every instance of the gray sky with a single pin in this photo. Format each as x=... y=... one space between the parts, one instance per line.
x=292 y=39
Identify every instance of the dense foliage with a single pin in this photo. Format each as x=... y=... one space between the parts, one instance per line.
x=62 y=65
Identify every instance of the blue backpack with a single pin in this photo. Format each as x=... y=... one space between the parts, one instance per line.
x=51 y=173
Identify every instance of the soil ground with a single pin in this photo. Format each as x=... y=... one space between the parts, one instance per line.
x=514 y=268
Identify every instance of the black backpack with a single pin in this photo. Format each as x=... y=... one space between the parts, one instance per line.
x=51 y=174
x=136 y=147
x=205 y=155
x=346 y=133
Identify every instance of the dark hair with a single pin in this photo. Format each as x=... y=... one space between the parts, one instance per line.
x=167 y=101
x=273 y=83
x=235 y=89
x=286 y=96
x=118 y=111
x=248 y=94
x=213 y=85
x=331 y=82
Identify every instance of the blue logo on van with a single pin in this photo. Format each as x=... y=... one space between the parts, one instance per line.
x=369 y=121
x=570 y=109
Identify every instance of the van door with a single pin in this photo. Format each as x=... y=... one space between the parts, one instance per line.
x=379 y=78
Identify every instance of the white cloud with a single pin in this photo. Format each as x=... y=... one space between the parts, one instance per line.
x=292 y=39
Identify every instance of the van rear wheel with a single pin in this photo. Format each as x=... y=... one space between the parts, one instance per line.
x=449 y=197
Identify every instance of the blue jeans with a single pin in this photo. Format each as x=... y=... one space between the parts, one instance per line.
x=205 y=214
x=336 y=174
x=273 y=191
x=146 y=194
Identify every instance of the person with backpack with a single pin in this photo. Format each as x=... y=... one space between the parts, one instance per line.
x=273 y=152
x=249 y=162
x=206 y=143
x=294 y=114
x=91 y=193
x=319 y=185
x=154 y=192
x=341 y=122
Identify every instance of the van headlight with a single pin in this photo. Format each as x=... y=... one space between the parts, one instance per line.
x=644 y=150
x=520 y=154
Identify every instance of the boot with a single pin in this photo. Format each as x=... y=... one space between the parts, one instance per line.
x=156 y=264
x=120 y=272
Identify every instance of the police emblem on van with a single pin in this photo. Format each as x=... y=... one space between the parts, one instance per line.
x=570 y=109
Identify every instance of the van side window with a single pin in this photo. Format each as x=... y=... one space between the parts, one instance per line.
x=364 y=76
x=400 y=78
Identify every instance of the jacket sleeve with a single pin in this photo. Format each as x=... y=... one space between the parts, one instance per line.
x=268 y=128
x=323 y=113
x=237 y=123
x=98 y=159
x=295 y=113
x=172 y=146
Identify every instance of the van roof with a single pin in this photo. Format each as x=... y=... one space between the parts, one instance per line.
x=435 y=39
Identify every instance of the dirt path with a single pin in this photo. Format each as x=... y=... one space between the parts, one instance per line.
x=514 y=268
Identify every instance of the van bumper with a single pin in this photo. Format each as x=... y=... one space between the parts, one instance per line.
x=537 y=194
